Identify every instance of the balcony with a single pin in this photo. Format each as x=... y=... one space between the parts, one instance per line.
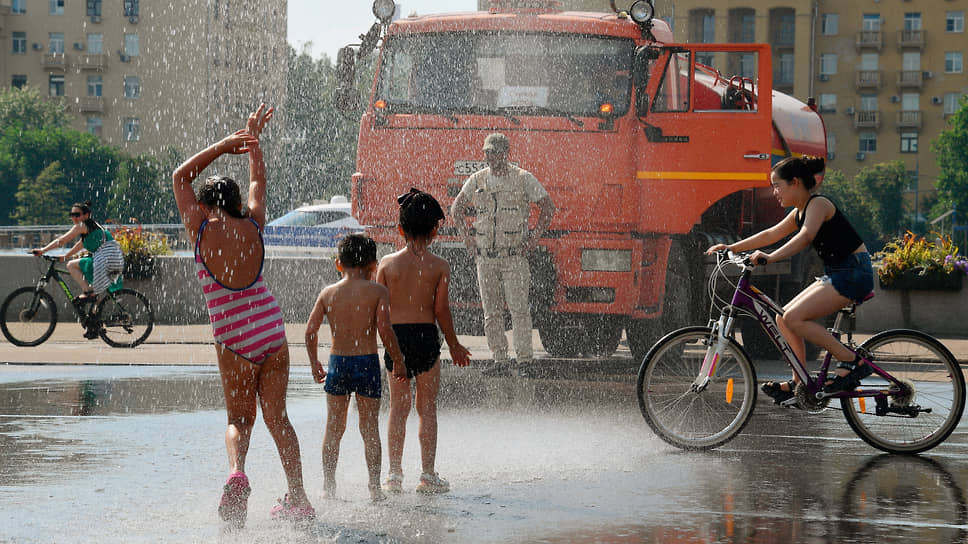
x=867 y=119
x=87 y=104
x=95 y=61
x=909 y=119
x=868 y=79
x=869 y=39
x=54 y=61
x=910 y=79
x=907 y=39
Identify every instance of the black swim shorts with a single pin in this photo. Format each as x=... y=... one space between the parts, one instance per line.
x=420 y=344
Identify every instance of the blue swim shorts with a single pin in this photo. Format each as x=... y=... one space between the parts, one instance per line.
x=853 y=277
x=358 y=374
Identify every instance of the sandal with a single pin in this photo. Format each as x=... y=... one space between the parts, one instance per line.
x=286 y=511
x=235 y=496
x=857 y=371
x=775 y=391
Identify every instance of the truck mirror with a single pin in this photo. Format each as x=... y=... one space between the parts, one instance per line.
x=347 y=99
x=642 y=65
x=346 y=67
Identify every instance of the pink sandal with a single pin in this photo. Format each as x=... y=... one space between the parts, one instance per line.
x=235 y=496
x=286 y=511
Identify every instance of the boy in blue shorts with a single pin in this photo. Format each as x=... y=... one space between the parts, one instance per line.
x=418 y=284
x=357 y=308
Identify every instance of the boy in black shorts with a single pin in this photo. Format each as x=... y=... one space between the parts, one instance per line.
x=417 y=281
x=356 y=307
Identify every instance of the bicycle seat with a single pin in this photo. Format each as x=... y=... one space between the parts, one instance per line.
x=853 y=305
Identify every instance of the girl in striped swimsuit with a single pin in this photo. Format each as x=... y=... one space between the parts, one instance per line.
x=250 y=340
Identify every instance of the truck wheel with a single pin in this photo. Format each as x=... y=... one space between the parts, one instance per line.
x=570 y=335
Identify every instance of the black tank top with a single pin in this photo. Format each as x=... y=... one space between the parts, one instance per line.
x=836 y=238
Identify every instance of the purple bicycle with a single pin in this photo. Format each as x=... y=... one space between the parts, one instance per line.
x=697 y=387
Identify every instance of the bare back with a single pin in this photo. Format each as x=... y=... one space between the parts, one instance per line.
x=352 y=306
x=232 y=250
x=415 y=282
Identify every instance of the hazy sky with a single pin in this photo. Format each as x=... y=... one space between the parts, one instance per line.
x=331 y=24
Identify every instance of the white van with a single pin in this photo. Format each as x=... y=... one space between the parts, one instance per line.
x=311 y=230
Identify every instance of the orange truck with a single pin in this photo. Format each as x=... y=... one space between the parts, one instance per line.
x=651 y=151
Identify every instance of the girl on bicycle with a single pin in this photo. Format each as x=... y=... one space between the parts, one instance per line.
x=92 y=236
x=848 y=275
x=250 y=338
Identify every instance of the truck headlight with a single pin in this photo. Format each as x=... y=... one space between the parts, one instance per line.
x=642 y=11
x=606 y=260
x=384 y=9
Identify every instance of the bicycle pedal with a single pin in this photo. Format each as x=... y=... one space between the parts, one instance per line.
x=790 y=403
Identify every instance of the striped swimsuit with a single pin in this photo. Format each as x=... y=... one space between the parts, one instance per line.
x=246 y=321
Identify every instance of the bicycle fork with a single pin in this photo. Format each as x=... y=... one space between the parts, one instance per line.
x=714 y=350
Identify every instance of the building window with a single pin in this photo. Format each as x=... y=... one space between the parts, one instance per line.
x=94 y=85
x=827 y=102
x=742 y=25
x=708 y=31
x=19 y=40
x=130 y=8
x=19 y=6
x=95 y=44
x=94 y=125
x=132 y=46
x=952 y=103
x=911 y=61
x=829 y=24
x=868 y=141
x=910 y=102
x=93 y=7
x=909 y=142
x=868 y=102
x=57 y=7
x=952 y=62
x=55 y=42
x=954 y=21
x=18 y=81
x=912 y=21
x=132 y=87
x=828 y=64
x=132 y=129
x=55 y=86
x=831 y=145
x=869 y=61
x=872 y=21
x=783 y=75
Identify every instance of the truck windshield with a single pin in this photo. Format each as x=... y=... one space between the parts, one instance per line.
x=493 y=72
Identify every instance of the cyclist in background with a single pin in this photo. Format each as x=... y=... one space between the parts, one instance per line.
x=848 y=276
x=92 y=236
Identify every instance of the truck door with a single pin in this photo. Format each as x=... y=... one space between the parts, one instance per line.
x=706 y=112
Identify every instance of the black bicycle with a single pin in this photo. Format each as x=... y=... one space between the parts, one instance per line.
x=122 y=318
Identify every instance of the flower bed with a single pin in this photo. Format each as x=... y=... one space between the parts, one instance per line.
x=140 y=248
x=914 y=262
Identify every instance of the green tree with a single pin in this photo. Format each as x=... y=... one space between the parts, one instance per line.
x=140 y=193
x=27 y=109
x=884 y=184
x=43 y=201
x=951 y=148
x=89 y=167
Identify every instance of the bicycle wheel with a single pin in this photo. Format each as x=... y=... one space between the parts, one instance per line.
x=28 y=316
x=682 y=416
x=920 y=361
x=126 y=318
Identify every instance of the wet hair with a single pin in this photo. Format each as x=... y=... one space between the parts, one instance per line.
x=356 y=251
x=222 y=192
x=419 y=213
x=84 y=206
x=806 y=168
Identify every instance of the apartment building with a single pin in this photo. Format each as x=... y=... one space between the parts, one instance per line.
x=886 y=74
x=143 y=76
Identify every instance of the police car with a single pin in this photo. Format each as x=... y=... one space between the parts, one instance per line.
x=311 y=230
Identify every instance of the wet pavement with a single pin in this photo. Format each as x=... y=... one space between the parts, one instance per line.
x=135 y=453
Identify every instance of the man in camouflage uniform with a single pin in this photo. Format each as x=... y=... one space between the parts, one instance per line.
x=501 y=195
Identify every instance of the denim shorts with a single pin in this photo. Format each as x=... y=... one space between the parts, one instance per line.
x=853 y=277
